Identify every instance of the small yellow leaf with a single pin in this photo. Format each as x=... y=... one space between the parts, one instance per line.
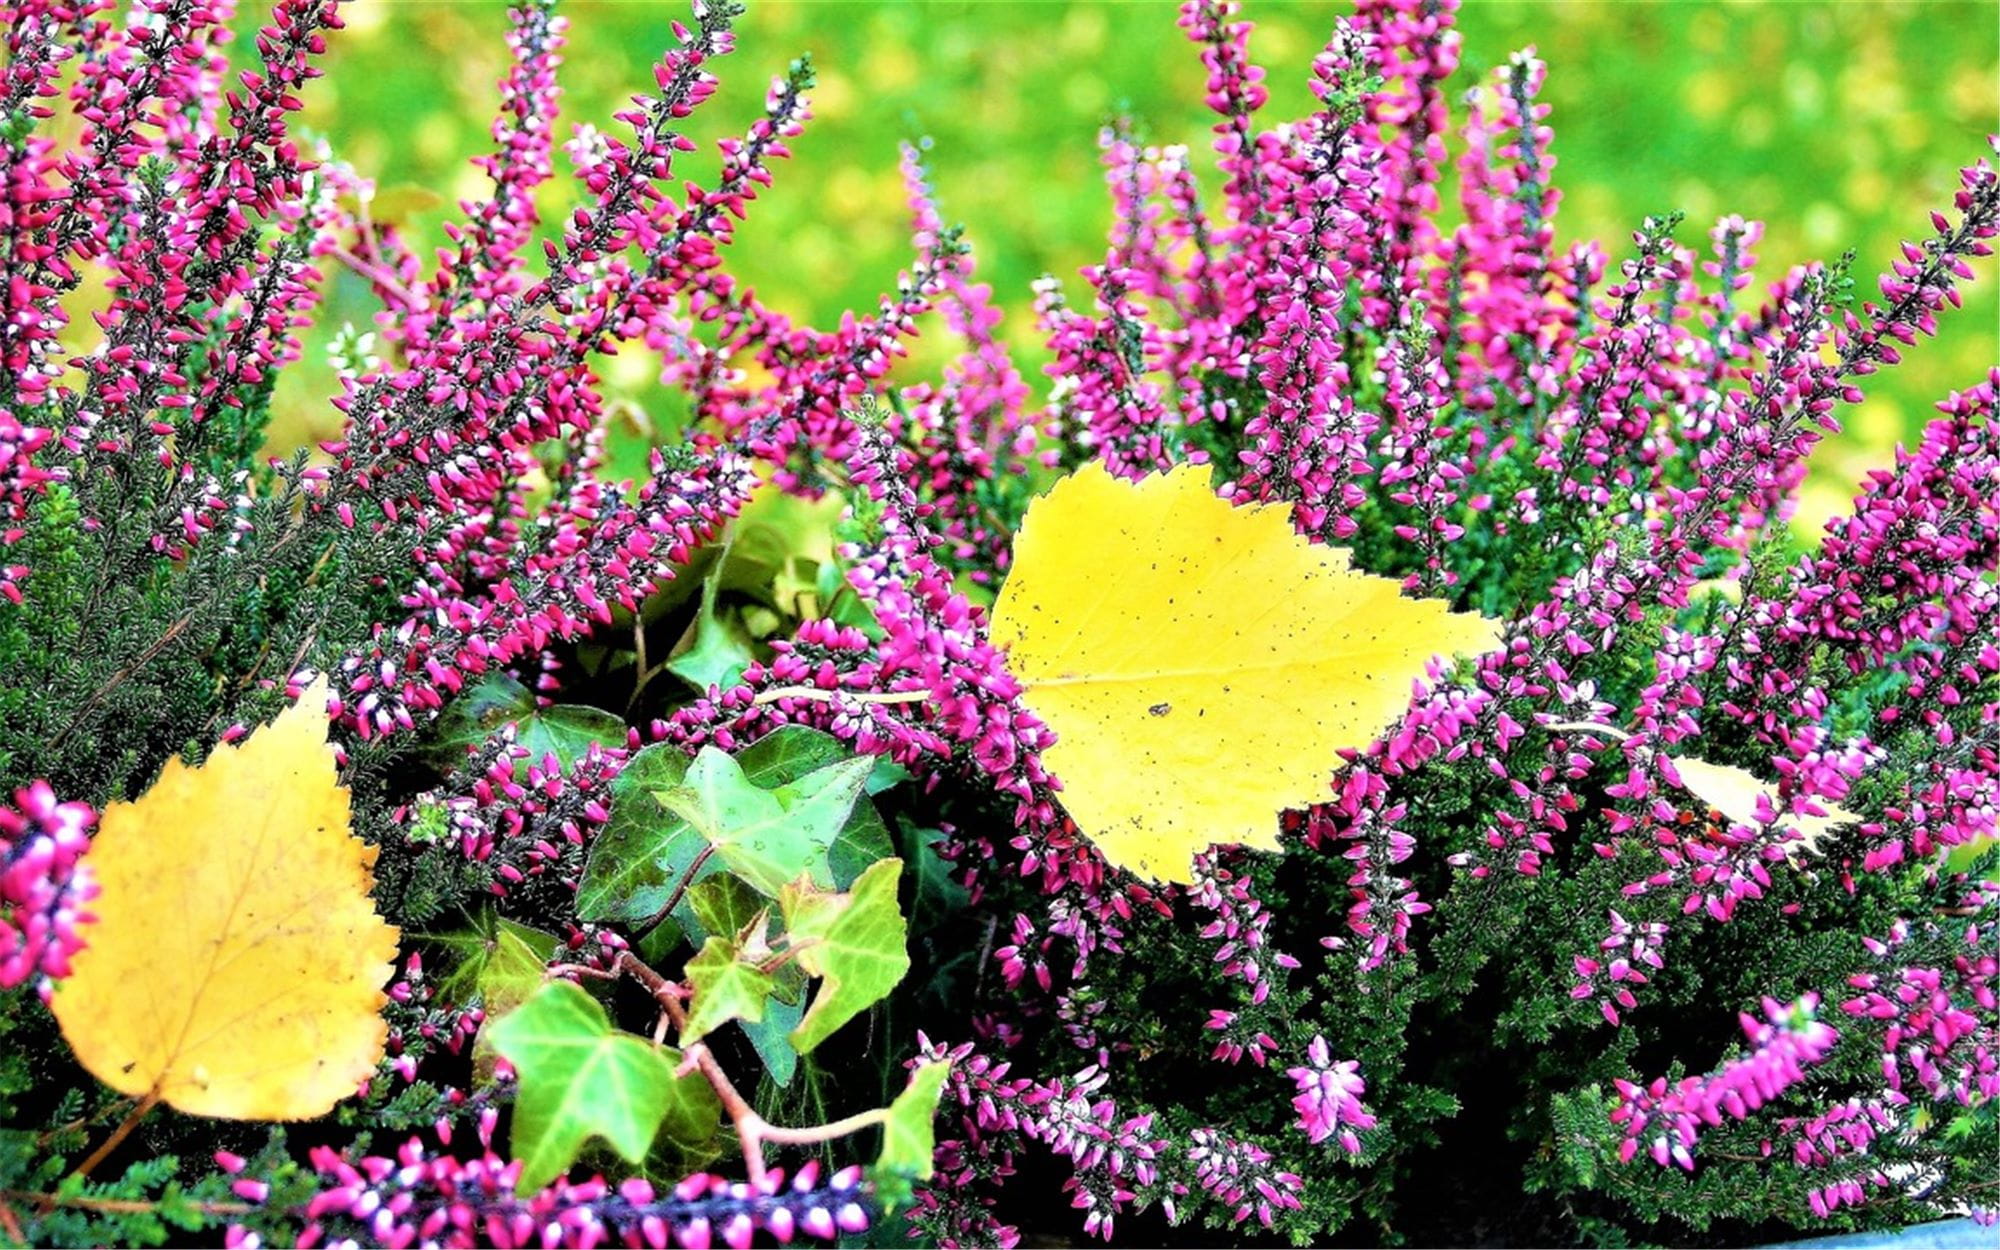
x=1201 y=664
x=1733 y=793
x=237 y=963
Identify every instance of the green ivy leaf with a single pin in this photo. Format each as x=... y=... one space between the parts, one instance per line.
x=908 y=1139
x=468 y=950
x=768 y=837
x=938 y=893
x=727 y=986
x=789 y=753
x=567 y=730
x=472 y=718
x=854 y=942
x=514 y=970
x=716 y=648
x=718 y=654
x=723 y=906
x=770 y=1037
x=642 y=851
x=515 y=966
x=580 y=1078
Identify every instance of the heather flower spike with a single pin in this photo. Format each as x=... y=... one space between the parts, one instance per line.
x=1306 y=437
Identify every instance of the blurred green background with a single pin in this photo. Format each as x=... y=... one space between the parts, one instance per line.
x=1836 y=123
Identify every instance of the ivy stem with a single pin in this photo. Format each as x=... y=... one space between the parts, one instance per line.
x=752 y=1130
x=640 y=675
x=776 y=693
x=680 y=889
x=125 y=1126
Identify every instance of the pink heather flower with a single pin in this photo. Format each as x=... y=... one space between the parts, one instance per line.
x=1626 y=426
x=1238 y=1174
x=441 y=1200
x=45 y=885
x=1329 y=1097
x=1668 y=1120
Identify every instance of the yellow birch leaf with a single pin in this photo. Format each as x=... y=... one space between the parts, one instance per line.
x=237 y=963
x=1201 y=664
x=1733 y=793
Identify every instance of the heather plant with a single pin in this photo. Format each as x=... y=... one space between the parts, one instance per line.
x=709 y=815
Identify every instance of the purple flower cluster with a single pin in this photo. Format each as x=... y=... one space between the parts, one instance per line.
x=1940 y=1026
x=44 y=885
x=1783 y=1045
x=202 y=304
x=1600 y=450
x=420 y=1197
x=1329 y=1097
x=1117 y=1164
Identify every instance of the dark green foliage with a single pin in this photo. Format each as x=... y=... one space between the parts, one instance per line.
x=119 y=657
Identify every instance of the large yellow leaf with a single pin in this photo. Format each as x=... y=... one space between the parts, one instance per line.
x=237 y=963
x=1201 y=664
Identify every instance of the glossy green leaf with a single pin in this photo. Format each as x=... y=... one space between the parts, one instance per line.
x=478 y=945
x=908 y=1137
x=719 y=651
x=582 y=1079
x=567 y=730
x=471 y=718
x=938 y=893
x=886 y=775
x=723 y=906
x=716 y=648
x=728 y=985
x=643 y=850
x=788 y=754
x=768 y=837
x=514 y=969
x=854 y=942
x=771 y=1037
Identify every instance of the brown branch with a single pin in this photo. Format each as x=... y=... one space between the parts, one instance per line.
x=125 y=1126
x=680 y=892
x=119 y=678
x=752 y=1130
x=109 y=1206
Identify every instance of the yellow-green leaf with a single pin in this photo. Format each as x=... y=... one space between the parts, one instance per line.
x=856 y=943
x=237 y=963
x=727 y=986
x=909 y=1137
x=1202 y=665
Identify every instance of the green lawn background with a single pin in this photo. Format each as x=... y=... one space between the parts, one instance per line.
x=1836 y=123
